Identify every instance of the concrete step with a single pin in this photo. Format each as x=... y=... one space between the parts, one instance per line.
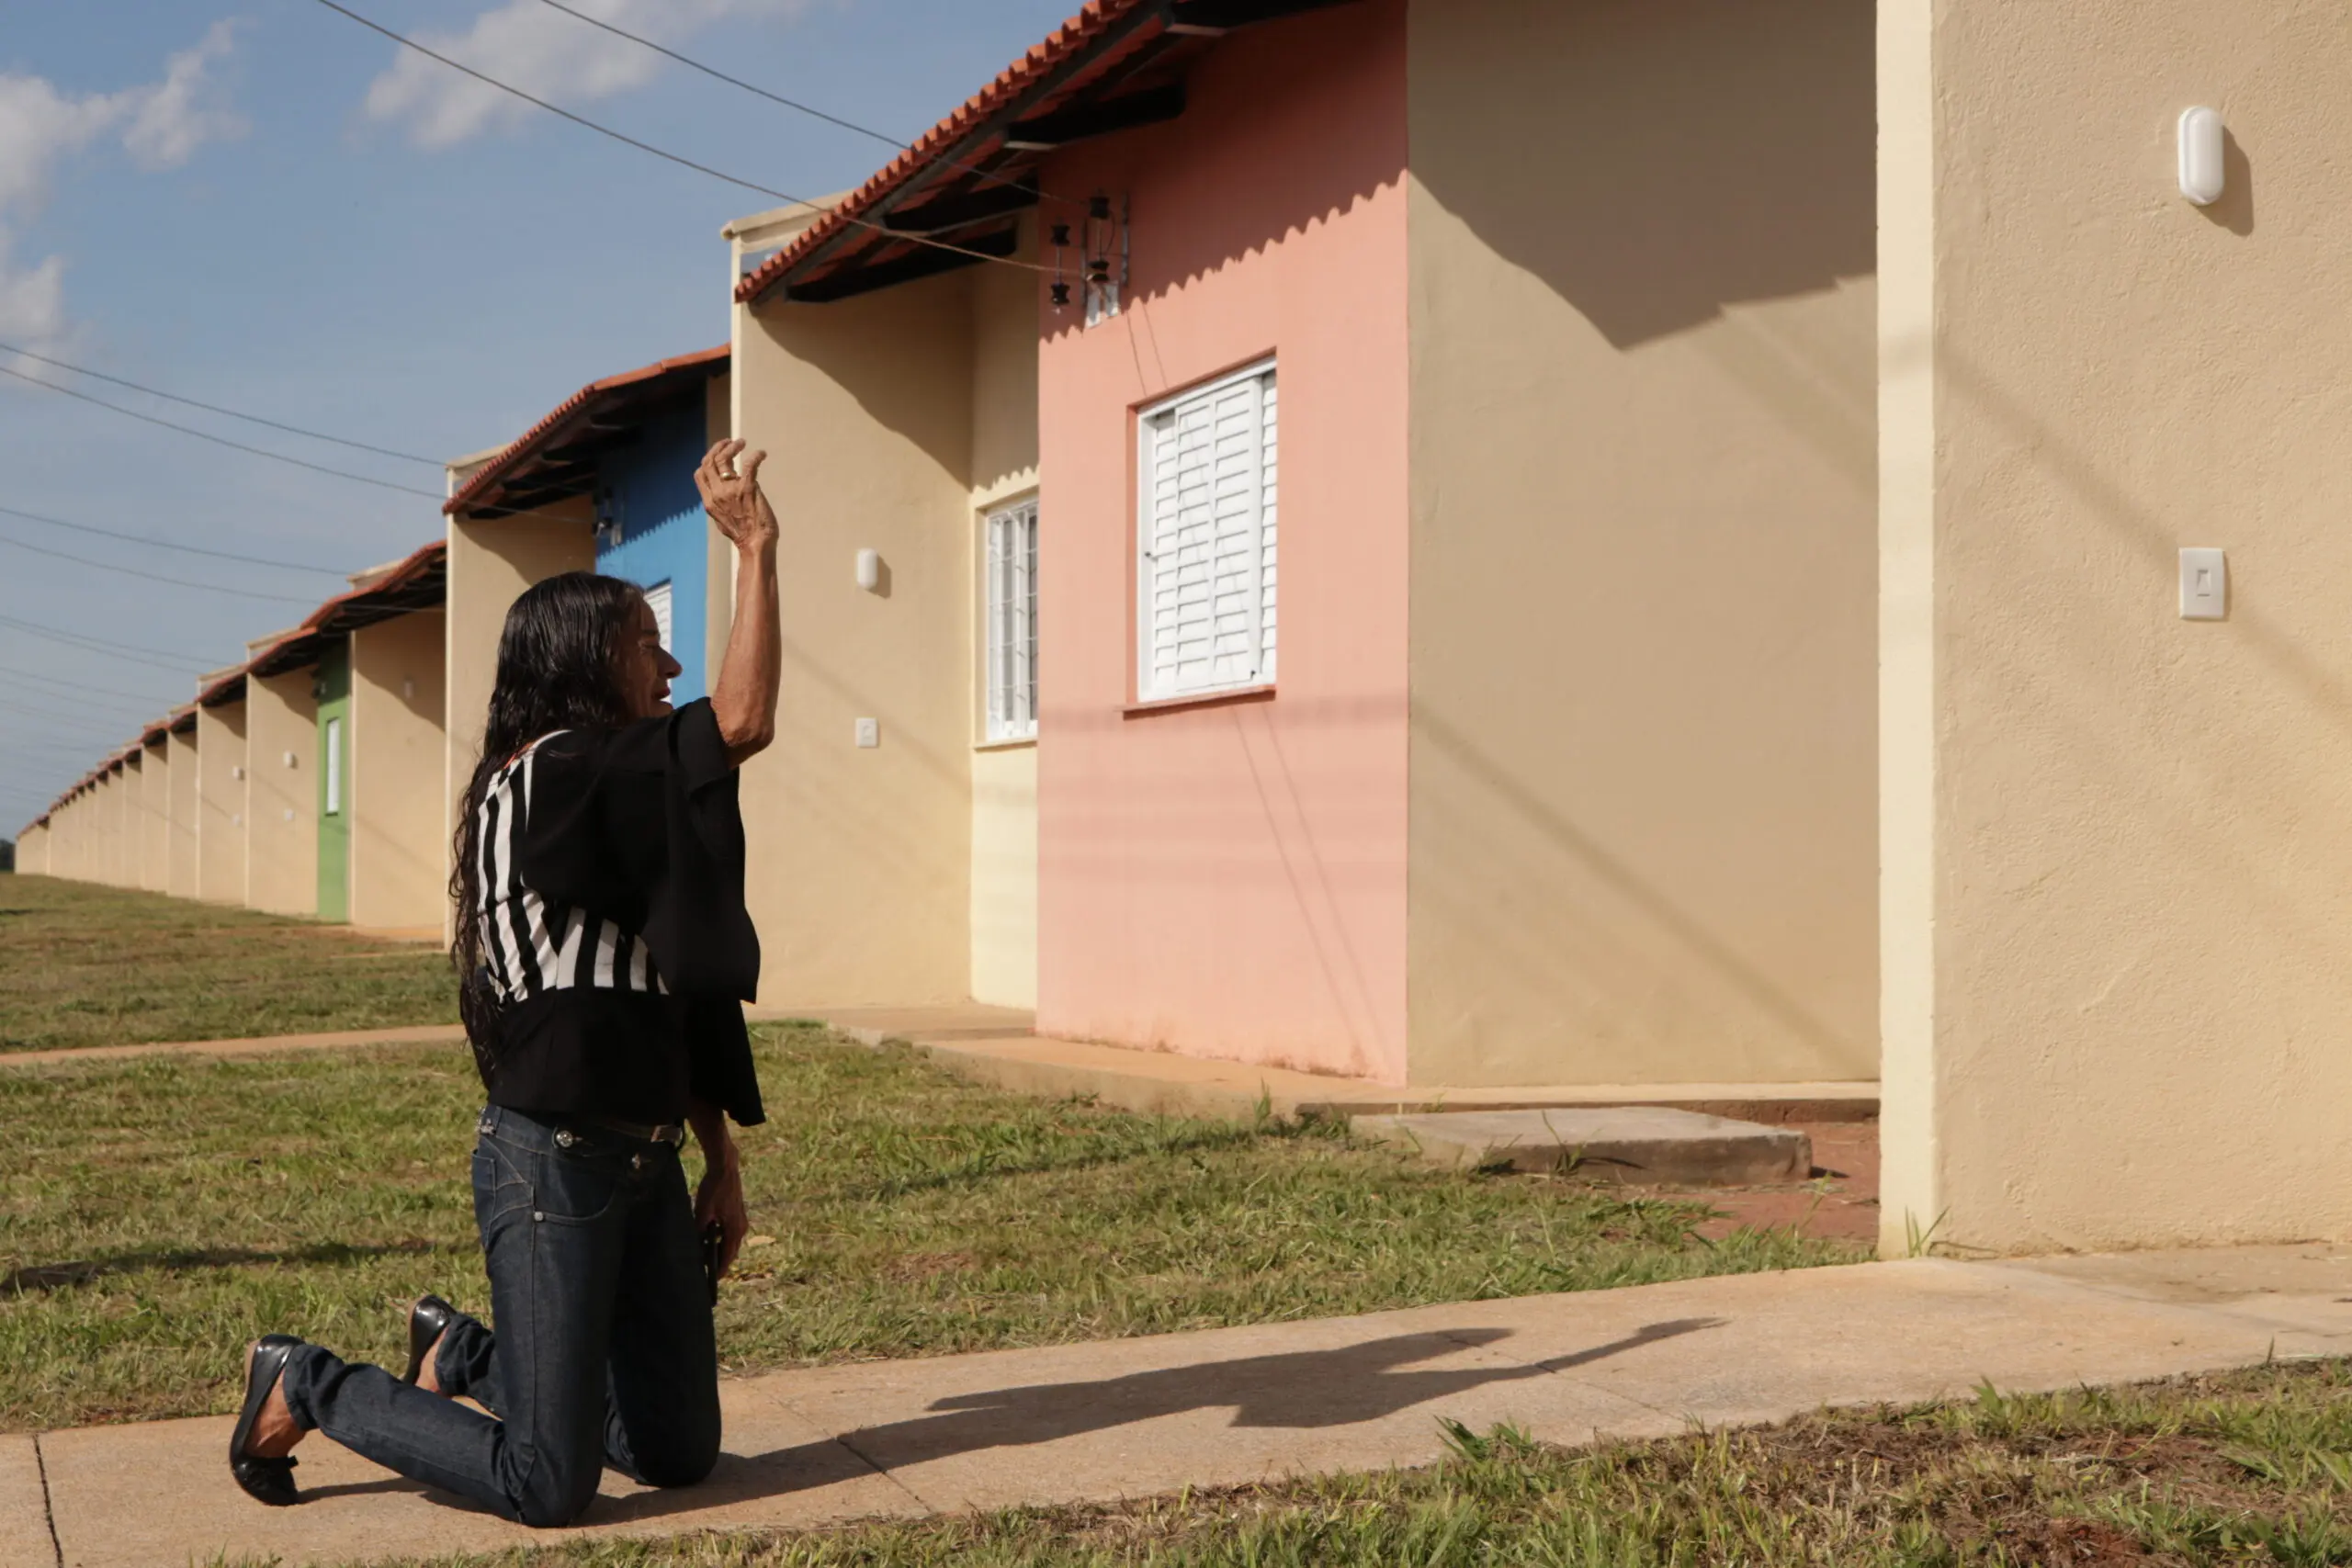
x=1644 y=1145
x=1160 y=1083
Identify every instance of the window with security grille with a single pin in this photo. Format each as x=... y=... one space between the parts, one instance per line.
x=1011 y=618
x=1205 y=513
x=656 y=599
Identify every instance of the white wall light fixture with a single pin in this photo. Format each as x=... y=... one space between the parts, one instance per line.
x=2200 y=155
x=869 y=570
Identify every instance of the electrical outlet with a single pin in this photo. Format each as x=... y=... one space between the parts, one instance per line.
x=869 y=732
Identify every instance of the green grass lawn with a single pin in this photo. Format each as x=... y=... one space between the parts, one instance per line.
x=157 y=1214
x=87 y=965
x=2253 y=1468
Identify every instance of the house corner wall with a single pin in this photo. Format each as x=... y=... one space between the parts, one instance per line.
x=1004 y=778
x=400 y=858
x=1643 y=584
x=221 y=805
x=2122 y=836
x=154 y=819
x=184 y=819
x=1229 y=880
x=719 y=556
x=860 y=859
x=282 y=808
x=490 y=562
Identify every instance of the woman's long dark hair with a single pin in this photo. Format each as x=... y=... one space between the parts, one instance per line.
x=559 y=668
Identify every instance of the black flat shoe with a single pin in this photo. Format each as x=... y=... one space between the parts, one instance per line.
x=269 y=1480
x=427 y=1321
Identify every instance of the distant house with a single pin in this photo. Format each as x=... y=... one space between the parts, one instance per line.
x=604 y=482
x=351 y=703
x=893 y=824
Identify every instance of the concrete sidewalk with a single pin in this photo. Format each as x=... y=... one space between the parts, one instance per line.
x=1129 y=1417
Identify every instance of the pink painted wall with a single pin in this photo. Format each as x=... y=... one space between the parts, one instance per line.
x=1229 y=881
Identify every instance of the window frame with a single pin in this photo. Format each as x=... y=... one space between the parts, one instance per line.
x=331 y=794
x=1003 y=723
x=1266 y=552
x=664 y=609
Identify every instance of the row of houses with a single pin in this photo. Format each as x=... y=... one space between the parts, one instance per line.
x=1496 y=544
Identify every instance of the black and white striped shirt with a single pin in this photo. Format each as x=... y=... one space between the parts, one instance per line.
x=611 y=913
x=533 y=946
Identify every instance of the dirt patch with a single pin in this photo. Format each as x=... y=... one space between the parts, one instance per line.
x=1838 y=1202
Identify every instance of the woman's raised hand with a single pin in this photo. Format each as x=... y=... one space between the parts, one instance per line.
x=728 y=479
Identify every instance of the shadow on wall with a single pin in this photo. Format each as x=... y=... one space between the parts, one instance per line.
x=903 y=353
x=1337 y=126
x=1655 y=163
x=2234 y=210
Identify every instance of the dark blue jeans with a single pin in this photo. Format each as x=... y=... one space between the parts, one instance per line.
x=604 y=1353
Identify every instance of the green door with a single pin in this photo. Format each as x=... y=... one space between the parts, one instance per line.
x=334 y=782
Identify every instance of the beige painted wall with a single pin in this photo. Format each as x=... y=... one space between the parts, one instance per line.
x=32 y=851
x=103 y=819
x=154 y=819
x=490 y=562
x=718 y=559
x=185 y=753
x=105 y=829
x=860 y=869
x=282 y=805
x=221 y=804
x=1642 y=837
x=122 y=825
x=1004 y=778
x=2120 y=853
x=399 y=856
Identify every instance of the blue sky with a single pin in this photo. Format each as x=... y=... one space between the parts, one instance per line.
x=261 y=205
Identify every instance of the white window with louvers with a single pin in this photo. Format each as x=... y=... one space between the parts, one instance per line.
x=1207 y=517
x=1012 y=617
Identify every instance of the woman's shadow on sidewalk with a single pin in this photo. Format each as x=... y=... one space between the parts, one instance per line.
x=1301 y=1390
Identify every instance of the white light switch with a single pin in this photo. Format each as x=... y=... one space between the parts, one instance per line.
x=2204 y=585
x=869 y=732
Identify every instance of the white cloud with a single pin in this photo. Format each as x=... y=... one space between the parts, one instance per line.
x=543 y=52
x=161 y=125
x=32 y=300
x=179 y=114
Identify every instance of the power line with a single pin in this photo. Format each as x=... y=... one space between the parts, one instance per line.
x=74 y=685
x=49 y=717
x=168 y=544
x=216 y=407
x=76 y=709
x=754 y=185
x=220 y=440
x=150 y=576
x=715 y=75
x=181 y=663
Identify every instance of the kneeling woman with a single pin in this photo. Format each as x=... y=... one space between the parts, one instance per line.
x=603 y=956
